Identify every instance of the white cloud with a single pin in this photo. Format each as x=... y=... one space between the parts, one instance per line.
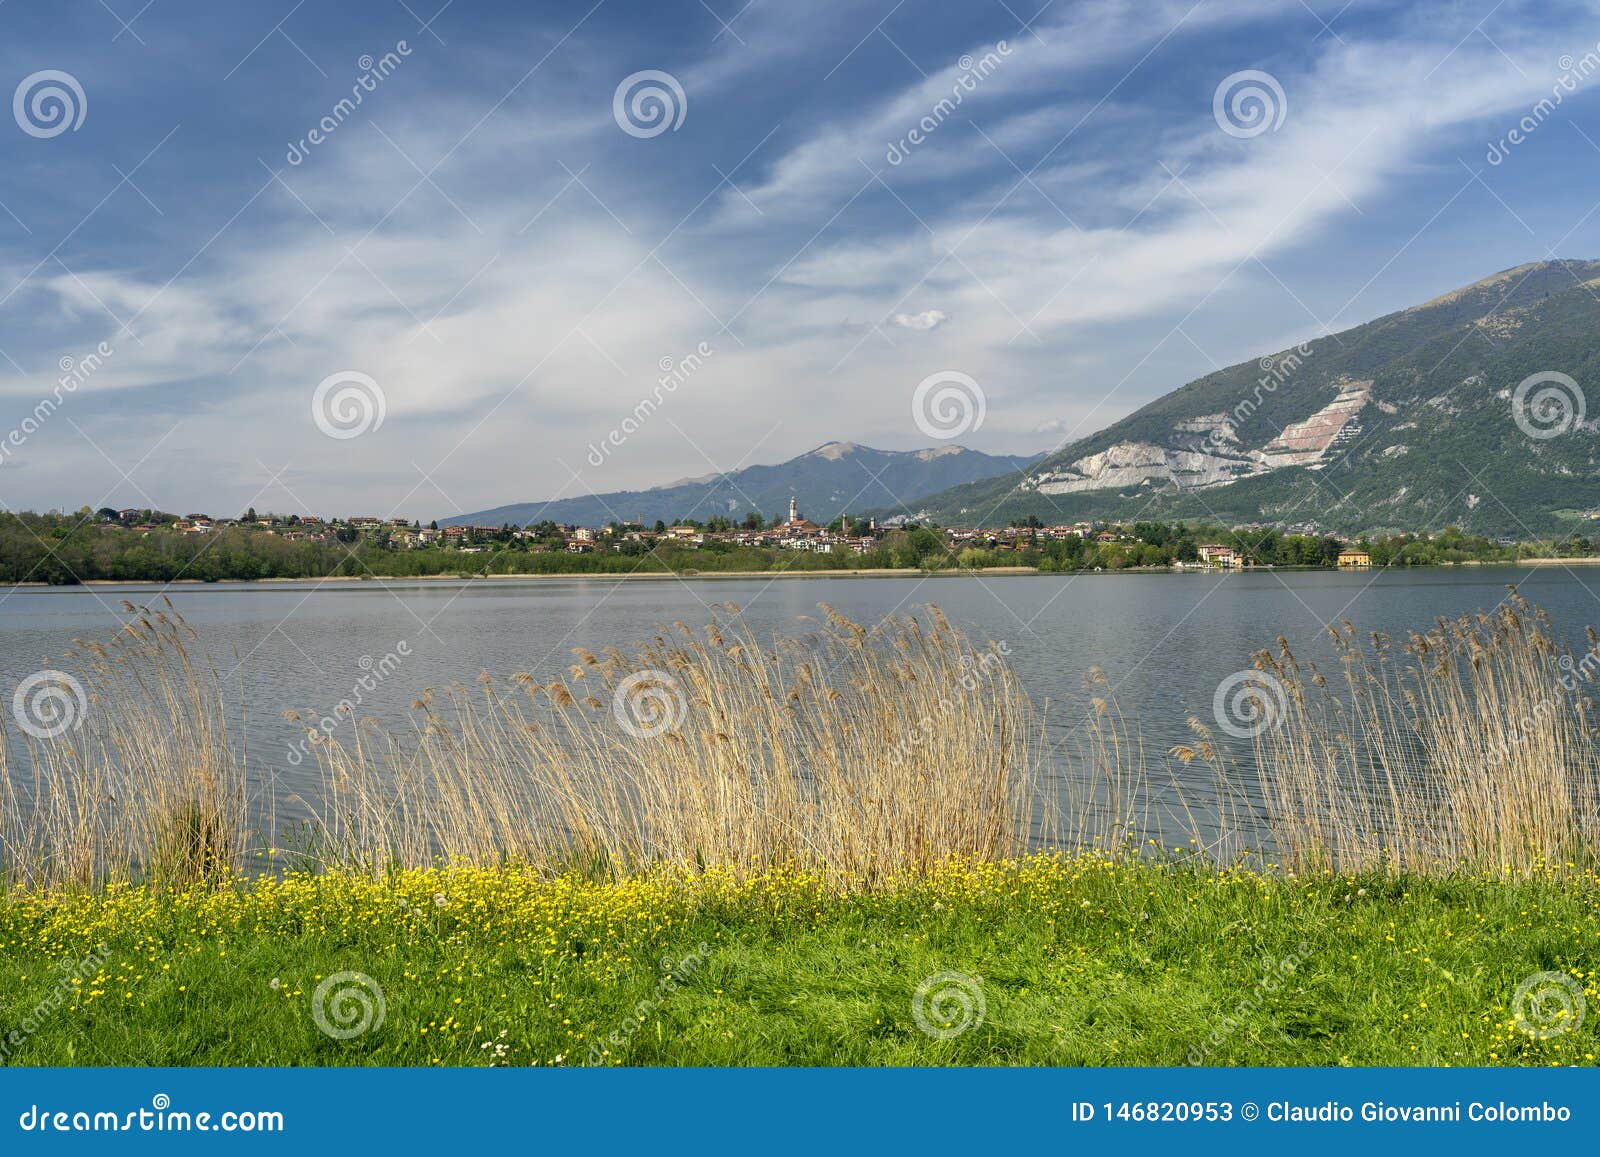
x=924 y=321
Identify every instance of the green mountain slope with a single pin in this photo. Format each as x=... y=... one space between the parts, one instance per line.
x=1406 y=422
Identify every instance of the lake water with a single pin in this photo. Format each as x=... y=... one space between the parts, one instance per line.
x=1164 y=640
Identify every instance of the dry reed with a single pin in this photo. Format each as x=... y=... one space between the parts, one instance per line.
x=1469 y=746
x=865 y=753
x=861 y=752
x=142 y=781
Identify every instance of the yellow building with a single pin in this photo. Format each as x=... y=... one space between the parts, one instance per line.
x=1354 y=558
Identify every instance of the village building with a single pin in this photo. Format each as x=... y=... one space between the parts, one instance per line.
x=1215 y=554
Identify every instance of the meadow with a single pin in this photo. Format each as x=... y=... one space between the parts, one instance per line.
x=842 y=848
x=1046 y=961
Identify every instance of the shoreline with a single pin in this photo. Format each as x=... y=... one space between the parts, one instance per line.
x=1589 y=561
x=831 y=572
x=835 y=572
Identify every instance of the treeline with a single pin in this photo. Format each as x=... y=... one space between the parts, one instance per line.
x=64 y=549
x=1162 y=544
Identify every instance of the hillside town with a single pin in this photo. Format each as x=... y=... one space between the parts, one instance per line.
x=1095 y=542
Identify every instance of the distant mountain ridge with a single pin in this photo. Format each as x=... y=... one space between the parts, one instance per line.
x=1448 y=412
x=835 y=478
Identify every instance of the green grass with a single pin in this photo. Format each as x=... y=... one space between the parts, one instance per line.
x=1078 y=962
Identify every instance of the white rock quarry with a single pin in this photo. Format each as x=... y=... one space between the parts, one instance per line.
x=1135 y=463
x=1307 y=442
x=1205 y=451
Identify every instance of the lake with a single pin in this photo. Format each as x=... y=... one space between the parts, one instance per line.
x=1164 y=640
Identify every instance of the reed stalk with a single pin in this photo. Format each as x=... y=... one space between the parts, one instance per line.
x=1470 y=746
x=144 y=780
x=863 y=753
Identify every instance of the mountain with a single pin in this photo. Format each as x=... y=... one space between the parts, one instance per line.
x=1417 y=420
x=835 y=478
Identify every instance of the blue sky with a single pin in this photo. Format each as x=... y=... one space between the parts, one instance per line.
x=489 y=247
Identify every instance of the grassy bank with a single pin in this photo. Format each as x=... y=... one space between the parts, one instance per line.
x=1075 y=961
